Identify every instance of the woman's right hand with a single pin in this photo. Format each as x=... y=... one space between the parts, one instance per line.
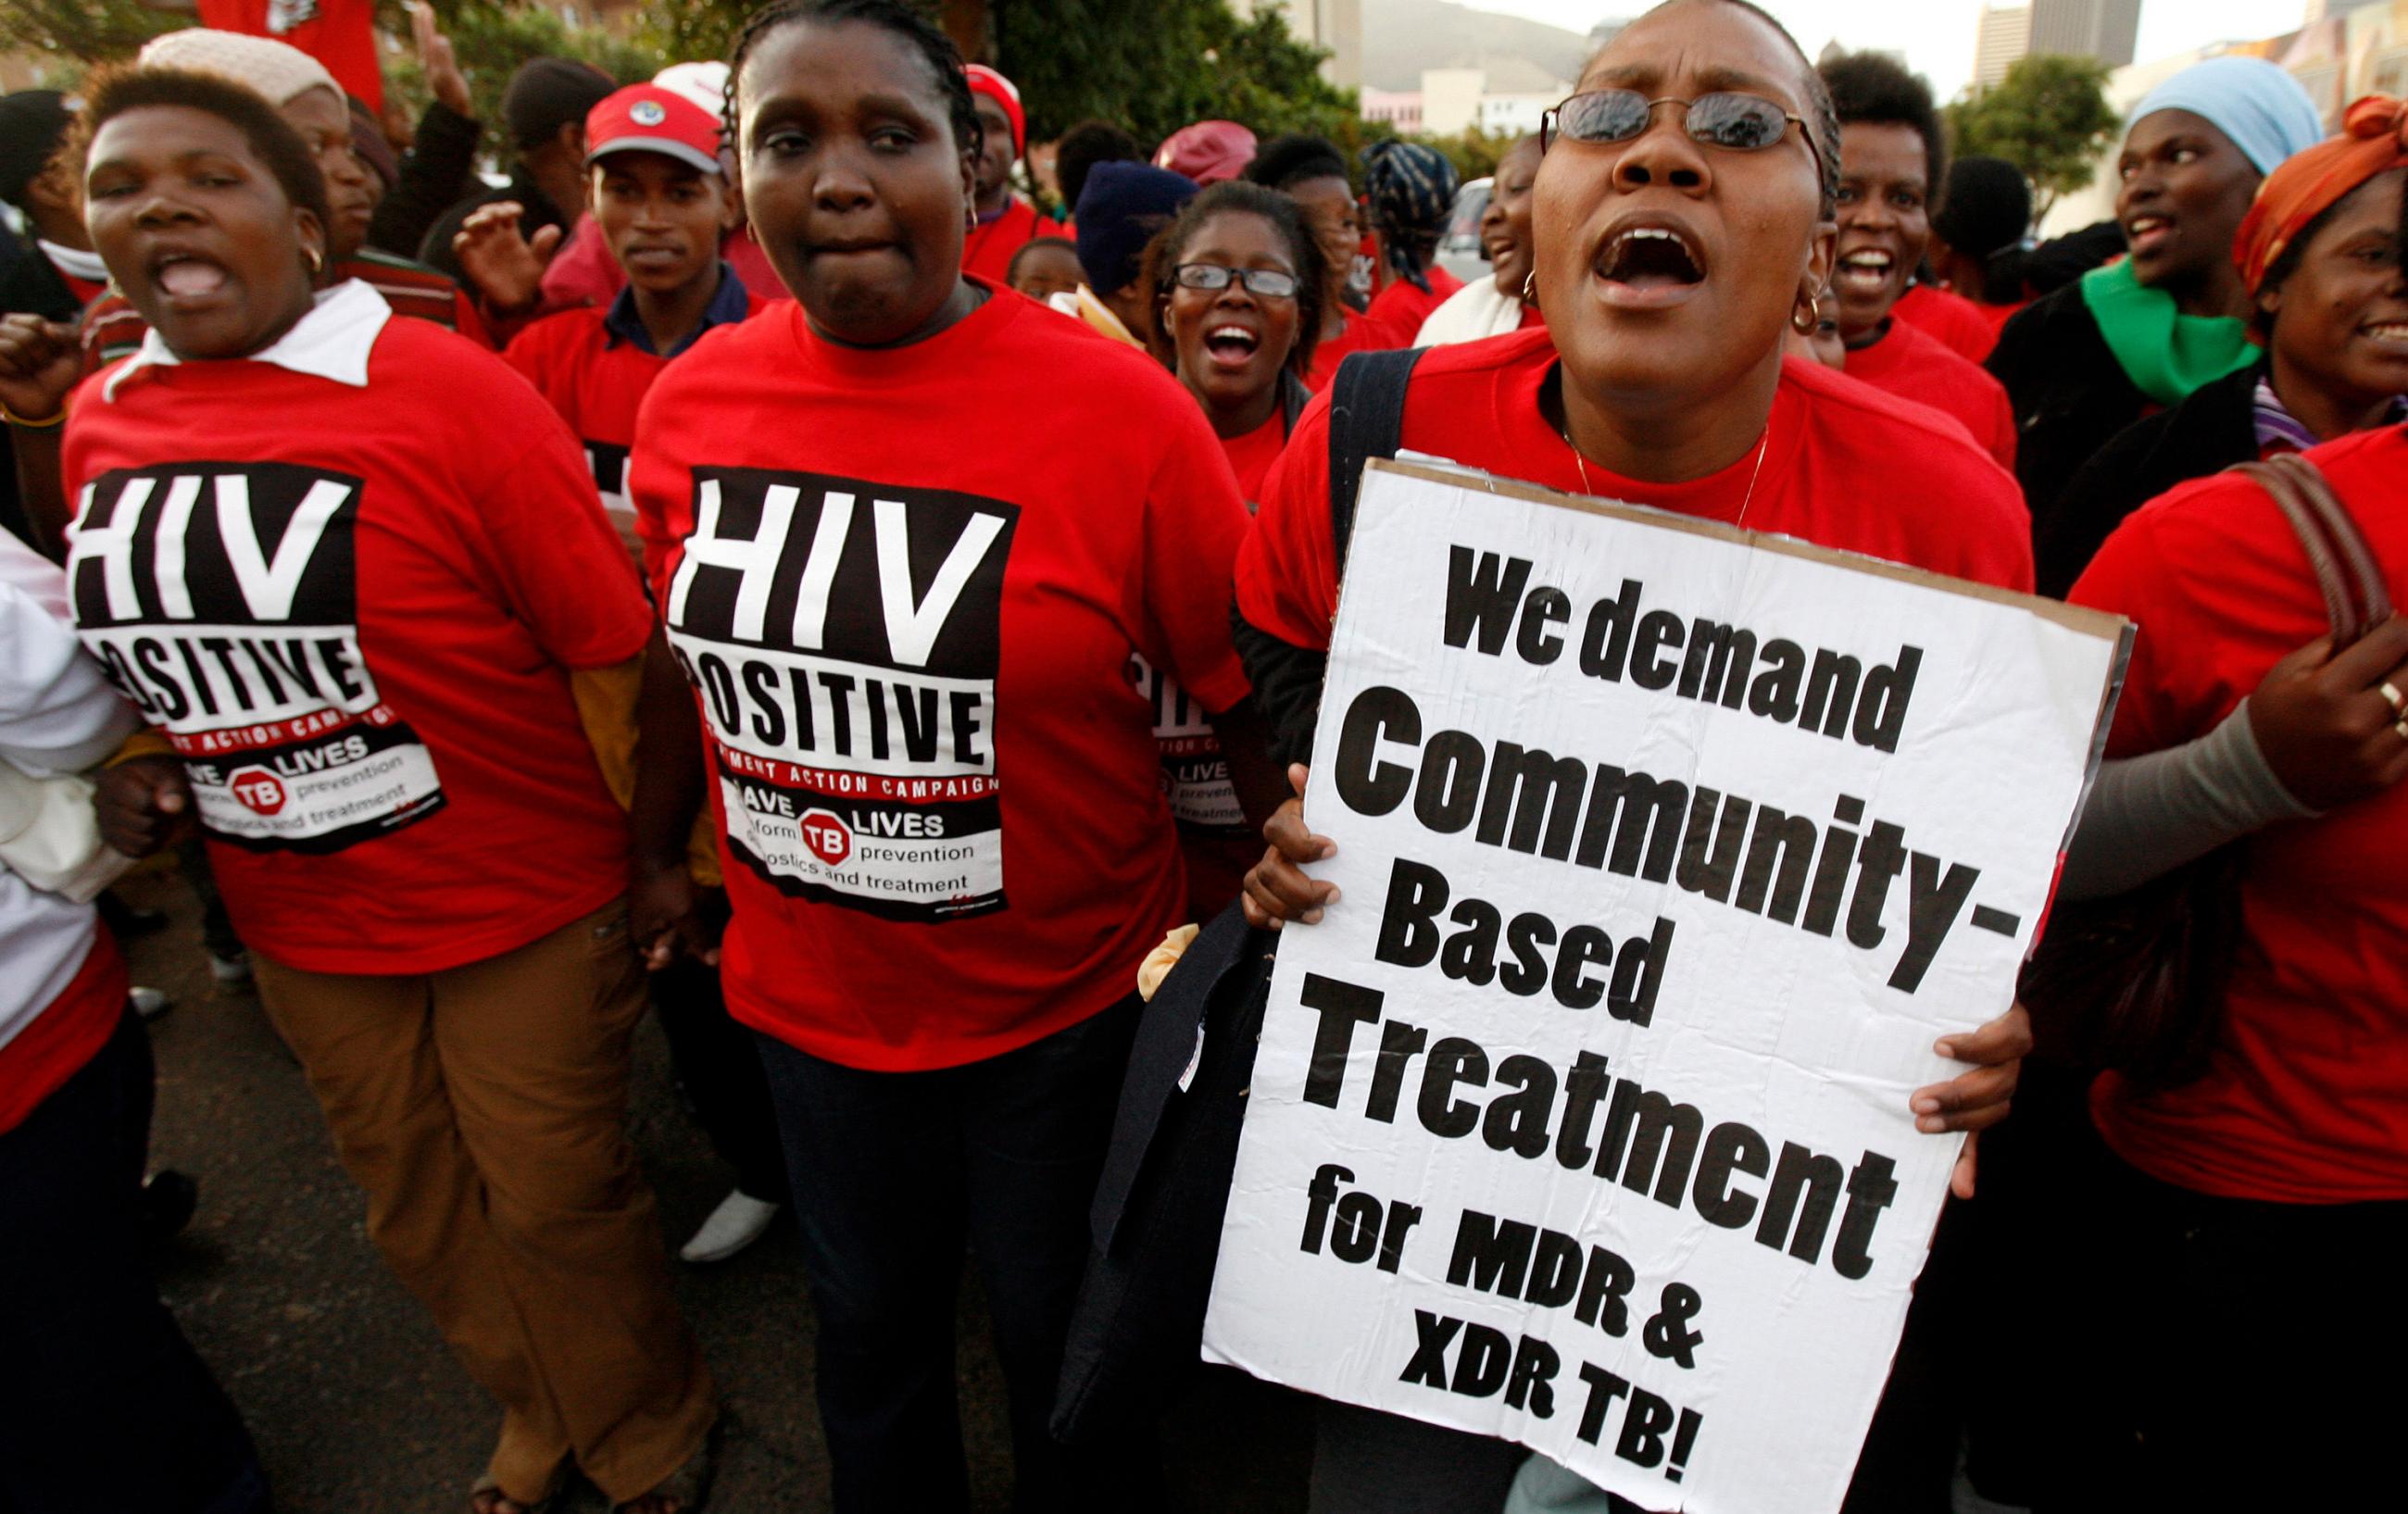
x=142 y=804
x=1277 y=890
x=39 y=364
x=2326 y=726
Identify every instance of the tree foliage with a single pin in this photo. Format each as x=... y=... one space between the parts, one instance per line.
x=76 y=34
x=2049 y=117
x=492 y=38
x=1156 y=67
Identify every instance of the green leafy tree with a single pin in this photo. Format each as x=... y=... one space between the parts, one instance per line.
x=2049 y=117
x=492 y=38
x=76 y=34
x=1154 y=68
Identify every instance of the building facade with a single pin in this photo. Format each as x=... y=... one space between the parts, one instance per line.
x=2004 y=36
x=2102 y=29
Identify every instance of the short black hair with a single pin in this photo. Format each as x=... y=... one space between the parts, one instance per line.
x=1870 y=90
x=1236 y=196
x=1037 y=244
x=908 y=21
x=1085 y=145
x=115 y=92
x=1284 y=162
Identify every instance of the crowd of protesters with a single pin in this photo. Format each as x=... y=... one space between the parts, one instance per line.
x=503 y=582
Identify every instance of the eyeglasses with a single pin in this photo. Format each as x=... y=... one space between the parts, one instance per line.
x=1269 y=283
x=1727 y=119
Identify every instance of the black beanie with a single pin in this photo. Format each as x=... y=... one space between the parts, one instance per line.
x=547 y=93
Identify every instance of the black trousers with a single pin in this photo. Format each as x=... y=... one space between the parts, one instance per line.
x=104 y=1409
x=893 y=1174
x=720 y=1068
x=2231 y=1353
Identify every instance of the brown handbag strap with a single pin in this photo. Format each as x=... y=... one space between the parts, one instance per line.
x=2351 y=581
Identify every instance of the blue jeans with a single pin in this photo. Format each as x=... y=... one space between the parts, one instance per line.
x=104 y=1405
x=893 y=1174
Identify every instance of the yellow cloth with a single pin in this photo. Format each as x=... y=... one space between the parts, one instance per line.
x=1158 y=963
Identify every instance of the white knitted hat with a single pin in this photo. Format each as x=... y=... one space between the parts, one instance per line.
x=276 y=69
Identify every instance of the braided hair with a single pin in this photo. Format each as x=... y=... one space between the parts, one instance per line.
x=903 y=20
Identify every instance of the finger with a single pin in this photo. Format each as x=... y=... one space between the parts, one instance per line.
x=2002 y=1039
x=422 y=26
x=1262 y=909
x=2302 y=662
x=171 y=799
x=544 y=240
x=1301 y=898
x=1297 y=776
x=1984 y=1091
x=1960 y=1178
x=2370 y=658
x=1286 y=832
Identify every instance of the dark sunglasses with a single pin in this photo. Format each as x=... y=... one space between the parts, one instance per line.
x=1727 y=119
x=1269 y=283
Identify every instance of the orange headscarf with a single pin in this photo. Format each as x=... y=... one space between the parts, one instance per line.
x=2373 y=140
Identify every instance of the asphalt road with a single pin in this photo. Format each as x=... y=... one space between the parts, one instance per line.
x=355 y=1403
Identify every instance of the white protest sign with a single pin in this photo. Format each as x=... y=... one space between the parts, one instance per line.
x=1666 y=854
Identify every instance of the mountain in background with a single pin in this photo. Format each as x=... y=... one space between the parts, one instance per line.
x=1401 y=37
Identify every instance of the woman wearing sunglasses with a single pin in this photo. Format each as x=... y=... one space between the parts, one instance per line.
x=1683 y=218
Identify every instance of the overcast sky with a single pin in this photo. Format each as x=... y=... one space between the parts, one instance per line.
x=1937 y=35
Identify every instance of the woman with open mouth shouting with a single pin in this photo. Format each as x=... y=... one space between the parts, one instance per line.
x=353 y=567
x=1891 y=159
x=2144 y=333
x=1683 y=218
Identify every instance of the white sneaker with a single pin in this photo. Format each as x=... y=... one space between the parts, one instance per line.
x=148 y=1003
x=739 y=1221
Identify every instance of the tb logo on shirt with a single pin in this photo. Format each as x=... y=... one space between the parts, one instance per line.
x=845 y=635
x=223 y=600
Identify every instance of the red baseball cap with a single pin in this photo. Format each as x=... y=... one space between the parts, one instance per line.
x=646 y=117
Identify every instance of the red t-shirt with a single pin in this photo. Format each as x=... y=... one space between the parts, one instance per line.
x=1913 y=364
x=596 y=385
x=354 y=609
x=942 y=821
x=340 y=34
x=2306 y=1099
x=1360 y=335
x=1843 y=465
x=987 y=251
x=70 y=1031
x=1251 y=456
x=1957 y=323
x=1398 y=310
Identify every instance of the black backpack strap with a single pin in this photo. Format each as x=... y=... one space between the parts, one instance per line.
x=1367 y=419
x=1293 y=398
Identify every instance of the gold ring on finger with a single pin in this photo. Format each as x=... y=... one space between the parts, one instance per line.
x=2400 y=727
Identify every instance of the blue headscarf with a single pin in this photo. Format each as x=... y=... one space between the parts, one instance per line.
x=1120 y=209
x=2260 y=107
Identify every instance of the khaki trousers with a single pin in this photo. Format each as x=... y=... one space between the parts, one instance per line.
x=483 y=1109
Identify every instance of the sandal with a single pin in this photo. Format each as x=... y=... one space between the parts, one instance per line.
x=487 y=1497
x=683 y=1491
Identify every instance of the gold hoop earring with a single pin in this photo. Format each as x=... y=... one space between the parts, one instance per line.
x=1529 y=289
x=1810 y=321
x=317 y=261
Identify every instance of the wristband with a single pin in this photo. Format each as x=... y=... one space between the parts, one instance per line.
x=25 y=424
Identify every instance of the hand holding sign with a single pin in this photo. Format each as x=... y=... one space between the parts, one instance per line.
x=1596 y=1115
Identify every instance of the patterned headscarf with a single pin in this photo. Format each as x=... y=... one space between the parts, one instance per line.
x=2373 y=141
x=1411 y=188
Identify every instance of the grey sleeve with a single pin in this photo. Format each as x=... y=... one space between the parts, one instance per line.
x=2149 y=815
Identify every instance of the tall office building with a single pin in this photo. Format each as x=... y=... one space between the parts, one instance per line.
x=1333 y=25
x=2102 y=29
x=2005 y=36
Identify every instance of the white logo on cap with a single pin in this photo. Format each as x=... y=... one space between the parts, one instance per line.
x=647 y=114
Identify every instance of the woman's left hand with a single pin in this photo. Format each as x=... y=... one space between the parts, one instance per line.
x=1974 y=1101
